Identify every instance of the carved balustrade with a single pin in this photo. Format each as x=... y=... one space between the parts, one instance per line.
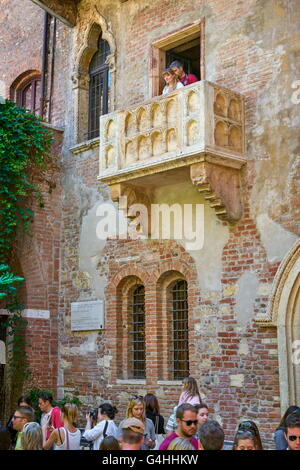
x=200 y=126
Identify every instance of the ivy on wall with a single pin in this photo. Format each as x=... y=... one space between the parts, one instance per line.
x=25 y=162
x=24 y=154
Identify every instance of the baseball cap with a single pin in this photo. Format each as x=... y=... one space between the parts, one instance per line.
x=134 y=425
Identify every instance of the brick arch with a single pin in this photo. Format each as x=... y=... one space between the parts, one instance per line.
x=129 y=271
x=185 y=268
x=117 y=322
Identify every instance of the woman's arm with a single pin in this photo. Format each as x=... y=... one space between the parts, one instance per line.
x=151 y=431
x=47 y=444
x=92 y=434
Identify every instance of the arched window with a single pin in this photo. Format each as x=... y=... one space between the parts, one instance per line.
x=180 y=331
x=26 y=91
x=137 y=353
x=98 y=87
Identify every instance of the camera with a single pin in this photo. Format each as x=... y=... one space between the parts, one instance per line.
x=93 y=414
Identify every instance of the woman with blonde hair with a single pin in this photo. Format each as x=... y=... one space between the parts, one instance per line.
x=172 y=81
x=67 y=437
x=32 y=437
x=136 y=409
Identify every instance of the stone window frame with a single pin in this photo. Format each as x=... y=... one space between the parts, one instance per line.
x=165 y=43
x=80 y=77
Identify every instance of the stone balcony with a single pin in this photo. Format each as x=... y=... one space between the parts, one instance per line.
x=196 y=132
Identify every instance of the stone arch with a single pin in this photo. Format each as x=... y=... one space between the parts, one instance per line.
x=284 y=312
x=87 y=42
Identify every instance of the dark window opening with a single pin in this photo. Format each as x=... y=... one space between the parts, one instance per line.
x=98 y=88
x=180 y=336
x=138 y=350
x=29 y=96
x=188 y=54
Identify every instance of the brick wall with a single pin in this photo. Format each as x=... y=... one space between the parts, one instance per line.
x=249 y=48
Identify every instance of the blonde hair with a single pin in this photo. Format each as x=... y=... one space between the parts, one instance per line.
x=172 y=73
x=180 y=443
x=70 y=412
x=32 y=437
x=190 y=387
x=137 y=400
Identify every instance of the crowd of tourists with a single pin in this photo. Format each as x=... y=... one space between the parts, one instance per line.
x=143 y=428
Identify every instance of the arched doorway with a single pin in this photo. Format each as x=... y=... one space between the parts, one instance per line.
x=285 y=314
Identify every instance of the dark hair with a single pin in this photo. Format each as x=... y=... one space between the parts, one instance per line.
x=46 y=396
x=184 y=407
x=26 y=412
x=131 y=437
x=211 y=436
x=240 y=435
x=176 y=63
x=109 y=443
x=108 y=409
x=290 y=410
x=292 y=421
x=4 y=438
x=198 y=406
x=251 y=426
x=151 y=403
x=24 y=399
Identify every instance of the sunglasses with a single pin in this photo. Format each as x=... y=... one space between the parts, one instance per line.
x=16 y=417
x=189 y=422
x=137 y=397
x=293 y=438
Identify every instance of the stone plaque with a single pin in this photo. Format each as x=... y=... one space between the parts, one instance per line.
x=2 y=353
x=86 y=316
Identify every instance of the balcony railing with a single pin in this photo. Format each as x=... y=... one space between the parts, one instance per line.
x=173 y=130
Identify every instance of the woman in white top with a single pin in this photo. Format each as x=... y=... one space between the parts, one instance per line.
x=172 y=81
x=68 y=437
x=105 y=425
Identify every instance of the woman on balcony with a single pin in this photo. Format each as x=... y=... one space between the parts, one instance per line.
x=172 y=81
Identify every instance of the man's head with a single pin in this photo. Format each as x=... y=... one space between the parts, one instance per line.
x=45 y=402
x=211 y=436
x=186 y=417
x=292 y=431
x=23 y=415
x=132 y=434
x=177 y=67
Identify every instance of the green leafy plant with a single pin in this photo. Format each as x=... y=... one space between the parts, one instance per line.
x=6 y=281
x=24 y=157
x=25 y=164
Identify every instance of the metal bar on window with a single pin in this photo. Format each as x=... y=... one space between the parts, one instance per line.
x=180 y=343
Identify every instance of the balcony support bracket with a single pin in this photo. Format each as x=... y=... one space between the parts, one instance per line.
x=220 y=186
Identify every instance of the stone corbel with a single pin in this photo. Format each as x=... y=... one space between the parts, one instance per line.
x=135 y=203
x=220 y=186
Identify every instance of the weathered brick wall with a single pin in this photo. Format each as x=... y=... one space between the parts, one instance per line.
x=251 y=49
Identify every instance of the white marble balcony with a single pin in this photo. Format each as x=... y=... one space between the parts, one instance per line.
x=201 y=124
x=172 y=131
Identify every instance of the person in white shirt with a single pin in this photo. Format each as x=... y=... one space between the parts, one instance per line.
x=172 y=81
x=105 y=425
